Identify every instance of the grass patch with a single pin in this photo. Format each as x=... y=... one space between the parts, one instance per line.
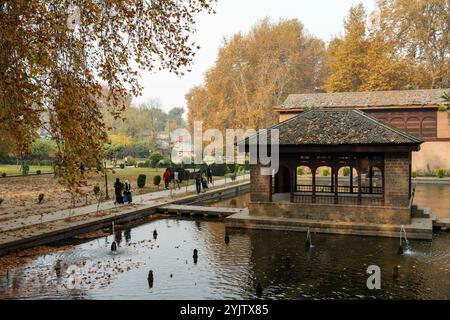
x=12 y=169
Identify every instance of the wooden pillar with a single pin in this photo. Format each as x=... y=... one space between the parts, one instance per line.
x=292 y=173
x=271 y=187
x=370 y=180
x=313 y=186
x=410 y=177
x=351 y=180
x=336 y=184
x=359 y=186
x=332 y=179
x=382 y=185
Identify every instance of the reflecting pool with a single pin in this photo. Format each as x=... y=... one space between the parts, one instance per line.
x=335 y=267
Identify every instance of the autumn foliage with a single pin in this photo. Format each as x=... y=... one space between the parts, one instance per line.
x=405 y=46
x=54 y=59
x=255 y=71
x=402 y=44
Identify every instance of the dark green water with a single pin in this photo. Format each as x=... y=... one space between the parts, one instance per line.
x=334 y=268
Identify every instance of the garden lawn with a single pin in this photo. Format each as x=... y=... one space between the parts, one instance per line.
x=20 y=194
x=12 y=169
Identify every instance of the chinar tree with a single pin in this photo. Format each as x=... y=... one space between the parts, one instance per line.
x=56 y=55
x=255 y=71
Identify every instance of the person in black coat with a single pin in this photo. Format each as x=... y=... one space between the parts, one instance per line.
x=209 y=174
x=118 y=187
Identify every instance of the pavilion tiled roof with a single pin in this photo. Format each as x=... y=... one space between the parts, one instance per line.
x=340 y=127
x=365 y=99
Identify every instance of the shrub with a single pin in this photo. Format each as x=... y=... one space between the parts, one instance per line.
x=414 y=174
x=38 y=172
x=141 y=180
x=157 y=180
x=96 y=190
x=155 y=158
x=132 y=161
x=3 y=174
x=186 y=175
x=300 y=171
x=326 y=172
x=25 y=169
x=164 y=163
x=122 y=166
x=440 y=173
x=346 y=171
x=247 y=165
x=145 y=164
x=46 y=162
x=192 y=174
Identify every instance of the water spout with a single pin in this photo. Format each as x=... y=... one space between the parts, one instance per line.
x=402 y=236
x=308 y=243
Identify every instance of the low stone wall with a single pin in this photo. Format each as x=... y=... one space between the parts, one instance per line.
x=334 y=212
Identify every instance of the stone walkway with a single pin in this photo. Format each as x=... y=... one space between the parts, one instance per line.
x=147 y=199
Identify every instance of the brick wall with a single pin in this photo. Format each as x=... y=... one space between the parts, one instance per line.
x=259 y=184
x=331 y=212
x=396 y=179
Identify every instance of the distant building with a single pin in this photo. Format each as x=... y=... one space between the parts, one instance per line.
x=182 y=148
x=414 y=111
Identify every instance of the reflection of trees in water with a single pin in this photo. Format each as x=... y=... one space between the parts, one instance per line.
x=335 y=267
x=436 y=273
x=229 y=262
x=240 y=201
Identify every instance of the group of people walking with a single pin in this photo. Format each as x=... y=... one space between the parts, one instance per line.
x=202 y=179
x=123 y=192
x=171 y=176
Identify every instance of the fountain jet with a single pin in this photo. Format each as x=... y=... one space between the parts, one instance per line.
x=402 y=236
x=308 y=243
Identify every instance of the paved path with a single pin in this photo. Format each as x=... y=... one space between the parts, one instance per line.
x=152 y=198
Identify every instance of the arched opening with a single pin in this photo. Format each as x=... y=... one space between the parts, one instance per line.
x=324 y=179
x=347 y=180
x=282 y=181
x=371 y=181
x=304 y=179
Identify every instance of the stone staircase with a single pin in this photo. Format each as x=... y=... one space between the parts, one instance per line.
x=417 y=212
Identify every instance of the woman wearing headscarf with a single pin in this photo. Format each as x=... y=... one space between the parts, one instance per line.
x=127 y=192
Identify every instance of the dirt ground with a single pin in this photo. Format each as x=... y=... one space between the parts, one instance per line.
x=20 y=194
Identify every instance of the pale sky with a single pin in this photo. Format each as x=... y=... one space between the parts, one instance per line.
x=321 y=18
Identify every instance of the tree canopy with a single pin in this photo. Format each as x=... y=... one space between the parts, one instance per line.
x=405 y=46
x=256 y=71
x=55 y=57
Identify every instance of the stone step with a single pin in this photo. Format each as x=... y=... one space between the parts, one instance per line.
x=417 y=212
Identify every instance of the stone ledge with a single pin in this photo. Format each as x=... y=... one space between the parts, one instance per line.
x=419 y=228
